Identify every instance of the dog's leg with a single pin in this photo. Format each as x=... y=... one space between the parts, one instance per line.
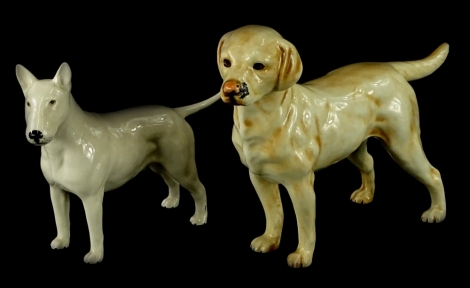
x=183 y=169
x=179 y=159
x=268 y=193
x=61 y=205
x=173 y=198
x=93 y=204
x=410 y=156
x=364 y=162
x=198 y=192
x=303 y=199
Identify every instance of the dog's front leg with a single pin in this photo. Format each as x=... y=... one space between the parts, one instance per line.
x=268 y=193
x=93 y=204
x=61 y=205
x=303 y=199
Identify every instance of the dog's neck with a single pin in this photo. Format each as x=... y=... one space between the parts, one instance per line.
x=272 y=108
x=71 y=128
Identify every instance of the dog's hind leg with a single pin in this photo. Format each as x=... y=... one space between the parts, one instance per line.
x=365 y=163
x=173 y=198
x=186 y=175
x=410 y=156
x=268 y=193
x=180 y=163
x=61 y=204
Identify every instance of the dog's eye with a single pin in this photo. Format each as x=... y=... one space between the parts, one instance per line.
x=258 y=66
x=27 y=103
x=52 y=102
x=227 y=63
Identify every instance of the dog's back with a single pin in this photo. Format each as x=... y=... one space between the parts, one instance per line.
x=373 y=76
x=140 y=136
x=372 y=99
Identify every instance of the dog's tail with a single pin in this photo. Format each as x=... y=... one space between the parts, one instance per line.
x=191 y=109
x=418 y=69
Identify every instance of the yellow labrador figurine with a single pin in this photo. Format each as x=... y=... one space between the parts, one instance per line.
x=88 y=153
x=284 y=131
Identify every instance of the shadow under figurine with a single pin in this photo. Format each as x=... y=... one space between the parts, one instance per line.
x=284 y=131
x=89 y=153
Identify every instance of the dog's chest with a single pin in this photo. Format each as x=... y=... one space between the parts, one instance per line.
x=275 y=154
x=68 y=169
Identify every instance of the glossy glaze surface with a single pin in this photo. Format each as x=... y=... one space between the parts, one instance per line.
x=284 y=131
x=88 y=154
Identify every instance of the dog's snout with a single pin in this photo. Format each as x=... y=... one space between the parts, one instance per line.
x=35 y=135
x=231 y=88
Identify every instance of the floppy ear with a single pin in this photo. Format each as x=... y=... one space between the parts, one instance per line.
x=25 y=77
x=63 y=77
x=219 y=50
x=290 y=66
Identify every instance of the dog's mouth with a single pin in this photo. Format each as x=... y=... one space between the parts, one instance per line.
x=39 y=143
x=231 y=100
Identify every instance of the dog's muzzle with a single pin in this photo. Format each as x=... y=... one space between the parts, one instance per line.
x=37 y=138
x=233 y=91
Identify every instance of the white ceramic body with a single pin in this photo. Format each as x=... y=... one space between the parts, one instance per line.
x=88 y=154
x=284 y=131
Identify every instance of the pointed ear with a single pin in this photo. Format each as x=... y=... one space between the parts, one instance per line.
x=25 y=77
x=290 y=65
x=63 y=77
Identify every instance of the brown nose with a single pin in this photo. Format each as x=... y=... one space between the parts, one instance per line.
x=231 y=88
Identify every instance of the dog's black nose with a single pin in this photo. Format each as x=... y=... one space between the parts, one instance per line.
x=35 y=135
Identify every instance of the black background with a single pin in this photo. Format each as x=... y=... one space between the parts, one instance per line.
x=167 y=56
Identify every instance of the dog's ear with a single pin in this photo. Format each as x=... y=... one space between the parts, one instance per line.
x=63 y=77
x=25 y=77
x=219 y=50
x=290 y=65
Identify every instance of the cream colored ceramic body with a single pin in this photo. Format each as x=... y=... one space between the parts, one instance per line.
x=88 y=153
x=285 y=131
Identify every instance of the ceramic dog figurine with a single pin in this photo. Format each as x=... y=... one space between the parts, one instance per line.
x=284 y=131
x=88 y=153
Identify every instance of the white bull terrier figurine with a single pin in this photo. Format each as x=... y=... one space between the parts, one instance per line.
x=88 y=154
x=284 y=131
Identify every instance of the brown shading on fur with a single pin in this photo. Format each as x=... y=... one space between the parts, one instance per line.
x=248 y=123
x=288 y=69
x=277 y=134
x=272 y=144
x=317 y=134
x=377 y=101
x=309 y=153
x=219 y=51
x=380 y=119
x=284 y=96
x=281 y=61
x=376 y=132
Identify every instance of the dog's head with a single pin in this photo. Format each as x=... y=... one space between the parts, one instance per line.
x=46 y=103
x=254 y=61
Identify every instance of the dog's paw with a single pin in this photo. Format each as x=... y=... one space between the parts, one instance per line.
x=93 y=257
x=199 y=218
x=265 y=243
x=362 y=196
x=59 y=243
x=170 y=202
x=434 y=215
x=300 y=259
